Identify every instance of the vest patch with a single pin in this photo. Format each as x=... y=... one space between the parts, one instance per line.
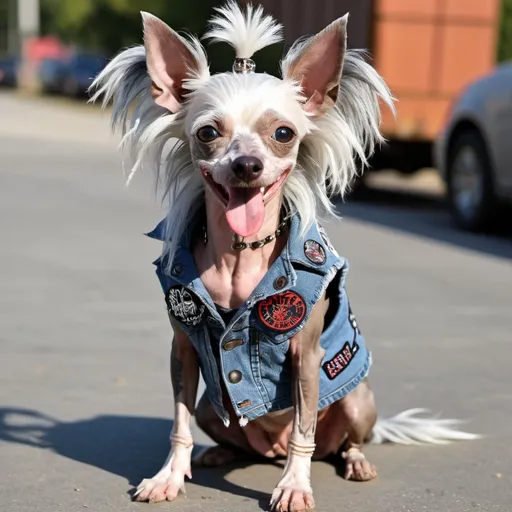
x=340 y=361
x=282 y=312
x=184 y=306
x=314 y=252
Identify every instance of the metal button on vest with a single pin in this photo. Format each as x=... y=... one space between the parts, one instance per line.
x=280 y=282
x=177 y=269
x=231 y=344
x=235 y=377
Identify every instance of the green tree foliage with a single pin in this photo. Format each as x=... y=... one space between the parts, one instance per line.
x=505 y=36
x=110 y=25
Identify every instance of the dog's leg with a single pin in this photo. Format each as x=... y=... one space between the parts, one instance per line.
x=231 y=441
x=357 y=411
x=170 y=480
x=344 y=428
x=294 y=492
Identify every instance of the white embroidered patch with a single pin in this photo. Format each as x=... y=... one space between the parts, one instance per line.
x=184 y=306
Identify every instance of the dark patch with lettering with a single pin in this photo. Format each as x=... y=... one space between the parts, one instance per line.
x=340 y=361
x=184 y=306
x=282 y=312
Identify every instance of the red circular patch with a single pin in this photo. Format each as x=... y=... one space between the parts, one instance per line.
x=282 y=312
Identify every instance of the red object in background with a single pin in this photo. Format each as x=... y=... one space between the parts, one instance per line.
x=34 y=51
x=39 y=48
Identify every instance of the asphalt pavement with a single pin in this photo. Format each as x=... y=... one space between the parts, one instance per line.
x=85 y=395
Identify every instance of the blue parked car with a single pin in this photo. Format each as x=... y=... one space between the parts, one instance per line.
x=71 y=77
x=8 y=72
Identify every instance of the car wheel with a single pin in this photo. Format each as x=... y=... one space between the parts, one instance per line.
x=470 y=182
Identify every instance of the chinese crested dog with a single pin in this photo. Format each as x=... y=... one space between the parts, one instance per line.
x=254 y=289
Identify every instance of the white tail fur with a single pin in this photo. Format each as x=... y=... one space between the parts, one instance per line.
x=407 y=428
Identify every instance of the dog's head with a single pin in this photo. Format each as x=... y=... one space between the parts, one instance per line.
x=245 y=128
x=250 y=137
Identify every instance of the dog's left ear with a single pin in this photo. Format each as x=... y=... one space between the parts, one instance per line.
x=317 y=66
x=170 y=60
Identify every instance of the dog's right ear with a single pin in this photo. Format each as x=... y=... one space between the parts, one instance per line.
x=170 y=60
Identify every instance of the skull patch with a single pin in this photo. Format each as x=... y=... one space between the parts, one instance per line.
x=184 y=306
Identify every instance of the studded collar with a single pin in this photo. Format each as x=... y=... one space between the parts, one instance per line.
x=309 y=249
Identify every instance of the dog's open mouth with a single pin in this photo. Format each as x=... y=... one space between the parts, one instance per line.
x=245 y=206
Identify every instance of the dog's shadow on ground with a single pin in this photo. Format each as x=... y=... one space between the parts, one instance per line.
x=132 y=447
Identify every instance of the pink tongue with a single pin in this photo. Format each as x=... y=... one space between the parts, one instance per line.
x=245 y=211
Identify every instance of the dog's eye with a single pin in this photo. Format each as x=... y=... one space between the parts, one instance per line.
x=283 y=134
x=207 y=134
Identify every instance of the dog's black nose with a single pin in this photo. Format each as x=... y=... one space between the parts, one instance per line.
x=247 y=168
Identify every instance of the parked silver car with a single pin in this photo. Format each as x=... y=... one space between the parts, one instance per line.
x=474 y=151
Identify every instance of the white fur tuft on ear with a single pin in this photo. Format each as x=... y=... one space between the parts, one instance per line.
x=246 y=32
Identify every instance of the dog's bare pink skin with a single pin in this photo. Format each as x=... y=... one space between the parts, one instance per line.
x=293 y=491
x=170 y=480
x=231 y=276
x=166 y=51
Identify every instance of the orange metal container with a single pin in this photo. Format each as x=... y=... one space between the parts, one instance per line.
x=427 y=50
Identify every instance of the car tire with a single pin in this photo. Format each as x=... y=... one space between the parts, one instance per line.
x=470 y=181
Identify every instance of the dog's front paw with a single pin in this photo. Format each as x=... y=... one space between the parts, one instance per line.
x=293 y=493
x=160 y=488
x=289 y=499
x=169 y=481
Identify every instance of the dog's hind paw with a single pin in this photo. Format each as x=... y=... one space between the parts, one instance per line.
x=357 y=467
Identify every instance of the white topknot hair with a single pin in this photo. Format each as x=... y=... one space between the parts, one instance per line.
x=246 y=32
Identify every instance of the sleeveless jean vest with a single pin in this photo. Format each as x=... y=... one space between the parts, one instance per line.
x=249 y=355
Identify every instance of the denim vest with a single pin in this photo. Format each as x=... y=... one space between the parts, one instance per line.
x=250 y=355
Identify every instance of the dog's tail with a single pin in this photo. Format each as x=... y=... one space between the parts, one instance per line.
x=408 y=428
